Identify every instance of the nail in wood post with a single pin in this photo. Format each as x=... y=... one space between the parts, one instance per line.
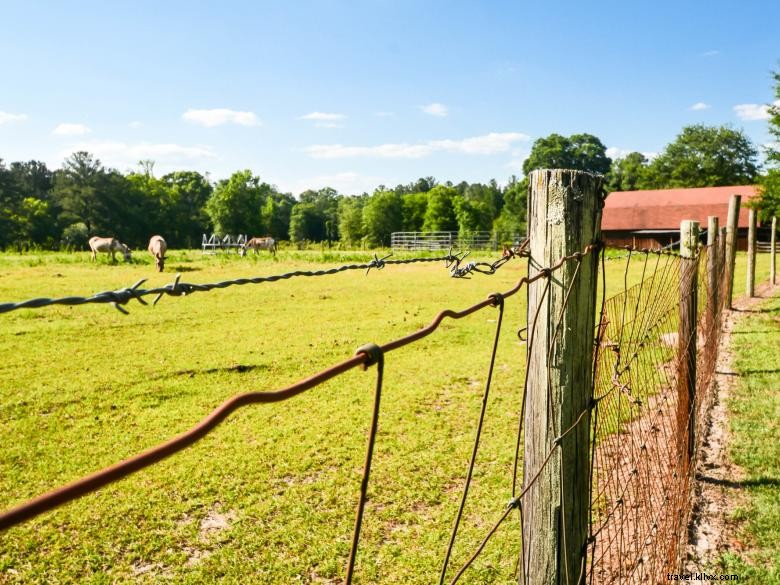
x=751 y=259
x=732 y=223
x=564 y=216
x=687 y=337
x=712 y=268
x=773 y=251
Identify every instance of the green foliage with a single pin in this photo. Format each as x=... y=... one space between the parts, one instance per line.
x=440 y=212
x=350 y=214
x=770 y=182
x=235 y=205
x=704 y=156
x=627 y=173
x=382 y=215
x=583 y=152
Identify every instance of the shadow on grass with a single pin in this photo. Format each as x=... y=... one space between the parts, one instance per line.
x=748 y=483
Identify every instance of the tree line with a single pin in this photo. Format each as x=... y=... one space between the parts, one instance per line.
x=64 y=207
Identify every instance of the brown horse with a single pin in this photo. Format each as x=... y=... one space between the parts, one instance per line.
x=260 y=244
x=109 y=246
x=157 y=248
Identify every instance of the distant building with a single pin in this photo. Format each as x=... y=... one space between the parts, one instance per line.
x=651 y=219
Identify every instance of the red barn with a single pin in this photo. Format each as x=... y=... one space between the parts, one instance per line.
x=651 y=219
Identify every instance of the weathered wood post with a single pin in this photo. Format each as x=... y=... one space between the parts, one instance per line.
x=687 y=337
x=732 y=233
x=751 y=259
x=713 y=272
x=773 y=251
x=564 y=217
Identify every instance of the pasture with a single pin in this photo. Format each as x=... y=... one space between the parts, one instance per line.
x=270 y=495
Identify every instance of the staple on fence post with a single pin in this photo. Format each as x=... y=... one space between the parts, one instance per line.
x=772 y=251
x=732 y=237
x=687 y=338
x=750 y=285
x=713 y=298
x=564 y=216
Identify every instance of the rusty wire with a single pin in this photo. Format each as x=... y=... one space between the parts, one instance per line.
x=120 y=297
x=642 y=474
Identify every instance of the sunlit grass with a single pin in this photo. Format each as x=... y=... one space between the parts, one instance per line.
x=83 y=387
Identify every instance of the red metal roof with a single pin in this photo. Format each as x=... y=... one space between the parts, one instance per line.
x=666 y=208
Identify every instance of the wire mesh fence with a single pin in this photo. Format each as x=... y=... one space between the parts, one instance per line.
x=637 y=428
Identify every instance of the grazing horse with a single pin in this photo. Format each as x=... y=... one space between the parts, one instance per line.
x=260 y=244
x=109 y=246
x=157 y=248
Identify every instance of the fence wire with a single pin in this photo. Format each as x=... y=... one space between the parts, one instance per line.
x=640 y=429
x=120 y=297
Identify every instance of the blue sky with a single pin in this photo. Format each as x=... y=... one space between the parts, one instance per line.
x=351 y=95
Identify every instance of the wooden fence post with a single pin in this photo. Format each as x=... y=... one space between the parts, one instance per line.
x=564 y=216
x=687 y=338
x=713 y=272
x=732 y=233
x=773 y=251
x=751 y=259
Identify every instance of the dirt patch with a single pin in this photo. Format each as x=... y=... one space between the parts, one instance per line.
x=710 y=532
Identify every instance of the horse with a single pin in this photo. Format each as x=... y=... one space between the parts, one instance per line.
x=109 y=246
x=260 y=244
x=157 y=248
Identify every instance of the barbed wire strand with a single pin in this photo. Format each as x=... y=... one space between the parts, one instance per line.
x=120 y=297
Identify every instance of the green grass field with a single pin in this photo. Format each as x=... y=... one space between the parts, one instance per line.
x=755 y=427
x=270 y=495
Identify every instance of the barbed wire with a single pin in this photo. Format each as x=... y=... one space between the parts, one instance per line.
x=120 y=297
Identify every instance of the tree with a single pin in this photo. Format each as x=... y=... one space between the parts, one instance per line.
x=440 y=212
x=512 y=218
x=351 y=219
x=186 y=195
x=276 y=214
x=770 y=182
x=382 y=215
x=627 y=173
x=235 y=205
x=704 y=156
x=413 y=207
x=75 y=190
x=317 y=218
x=582 y=152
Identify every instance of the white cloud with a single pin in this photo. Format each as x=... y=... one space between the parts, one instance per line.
x=66 y=129
x=6 y=117
x=710 y=53
x=120 y=154
x=492 y=143
x=135 y=124
x=754 y=111
x=220 y=116
x=346 y=183
x=614 y=152
x=322 y=117
x=435 y=109
x=699 y=106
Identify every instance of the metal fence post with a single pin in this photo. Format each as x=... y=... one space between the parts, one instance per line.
x=713 y=282
x=564 y=216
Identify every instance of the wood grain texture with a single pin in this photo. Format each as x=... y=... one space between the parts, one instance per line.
x=564 y=216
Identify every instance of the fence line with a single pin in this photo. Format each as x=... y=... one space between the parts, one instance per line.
x=119 y=298
x=640 y=488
